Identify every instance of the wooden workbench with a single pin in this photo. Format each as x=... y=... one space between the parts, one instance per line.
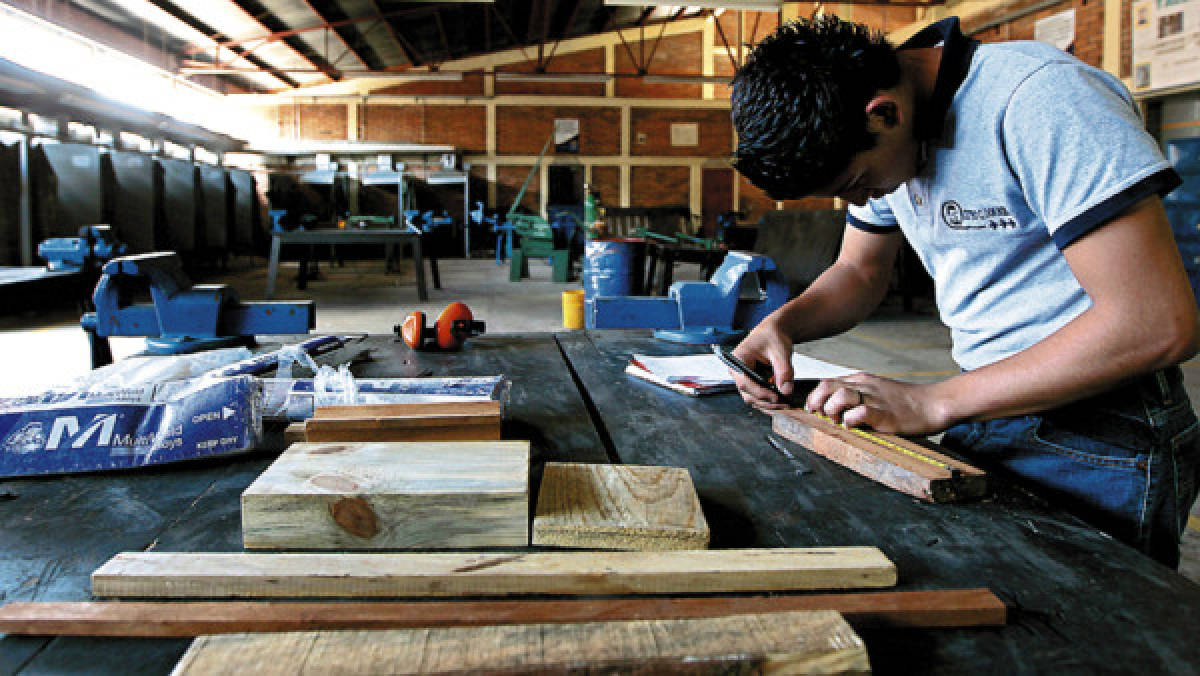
x=1079 y=602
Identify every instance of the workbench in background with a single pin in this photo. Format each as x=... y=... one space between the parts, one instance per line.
x=336 y=236
x=1079 y=601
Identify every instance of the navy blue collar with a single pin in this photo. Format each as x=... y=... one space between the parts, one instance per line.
x=957 y=51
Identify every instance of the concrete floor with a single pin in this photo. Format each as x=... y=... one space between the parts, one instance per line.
x=43 y=349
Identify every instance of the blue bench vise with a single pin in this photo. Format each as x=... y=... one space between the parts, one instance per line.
x=72 y=254
x=181 y=318
x=701 y=313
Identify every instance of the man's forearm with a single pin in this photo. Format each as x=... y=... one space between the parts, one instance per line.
x=839 y=299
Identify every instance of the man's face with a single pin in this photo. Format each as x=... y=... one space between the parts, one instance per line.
x=876 y=172
x=879 y=171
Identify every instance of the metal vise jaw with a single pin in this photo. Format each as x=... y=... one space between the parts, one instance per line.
x=744 y=290
x=94 y=243
x=182 y=317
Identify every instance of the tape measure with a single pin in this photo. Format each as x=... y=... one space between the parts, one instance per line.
x=954 y=471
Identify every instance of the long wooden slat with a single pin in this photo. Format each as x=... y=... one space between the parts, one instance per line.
x=162 y=619
x=634 y=507
x=391 y=495
x=220 y=575
x=793 y=643
x=936 y=478
x=460 y=408
x=426 y=428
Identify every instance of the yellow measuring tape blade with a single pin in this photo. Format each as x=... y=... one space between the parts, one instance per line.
x=890 y=445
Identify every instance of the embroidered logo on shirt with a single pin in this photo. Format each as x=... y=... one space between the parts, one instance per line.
x=987 y=218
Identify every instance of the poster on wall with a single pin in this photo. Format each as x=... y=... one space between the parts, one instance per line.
x=566 y=136
x=1057 y=30
x=685 y=134
x=1166 y=43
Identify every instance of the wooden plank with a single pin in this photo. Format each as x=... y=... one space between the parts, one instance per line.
x=300 y=575
x=455 y=427
x=634 y=507
x=799 y=642
x=464 y=408
x=166 y=619
x=391 y=495
x=941 y=478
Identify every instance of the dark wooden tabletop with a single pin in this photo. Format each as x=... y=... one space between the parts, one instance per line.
x=1080 y=602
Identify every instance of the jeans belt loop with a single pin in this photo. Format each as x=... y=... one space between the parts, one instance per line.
x=1164 y=387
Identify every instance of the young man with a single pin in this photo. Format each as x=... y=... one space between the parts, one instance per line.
x=1029 y=188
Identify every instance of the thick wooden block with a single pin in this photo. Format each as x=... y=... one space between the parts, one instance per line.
x=163 y=619
x=462 y=421
x=296 y=575
x=391 y=495
x=791 y=643
x=899 y=463
x=619 y=507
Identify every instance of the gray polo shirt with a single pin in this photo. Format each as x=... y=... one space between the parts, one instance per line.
x=1028 y=149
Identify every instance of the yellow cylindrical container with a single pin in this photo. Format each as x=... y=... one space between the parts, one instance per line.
x=572 y=309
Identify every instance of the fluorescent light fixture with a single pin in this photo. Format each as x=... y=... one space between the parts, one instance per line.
x=405 y=76
x=686 y=79
x=438 y=76
x=757 y=5
x=593 y=78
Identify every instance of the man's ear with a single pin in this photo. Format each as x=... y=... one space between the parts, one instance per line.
x=883 y=112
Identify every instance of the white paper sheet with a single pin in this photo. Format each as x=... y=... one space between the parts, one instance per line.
x=706 y=368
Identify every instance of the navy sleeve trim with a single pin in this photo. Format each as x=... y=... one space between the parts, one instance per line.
x=1159 y=183
x=870 y=227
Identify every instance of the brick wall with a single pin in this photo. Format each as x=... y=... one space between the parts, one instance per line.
x=523 y=130
x=1089 y=31
x=659 y=186
x=588 y=61
x=471 y=85
x=460 y=126
x=313 y=121
x=1126 y=38
x=508 y=184
x=606 y=183
x=651 y=132
x=673 y=55
x=1089 y=26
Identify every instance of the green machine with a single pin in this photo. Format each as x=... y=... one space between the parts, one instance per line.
x=537 y=235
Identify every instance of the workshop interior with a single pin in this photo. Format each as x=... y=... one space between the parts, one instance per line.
x=396 y=336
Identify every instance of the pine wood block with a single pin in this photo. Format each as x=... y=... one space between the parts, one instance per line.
x=791 y=643
x=166 y=619
x=619 y=507
x=384 y=575
x=391 y=495
x=945 y=479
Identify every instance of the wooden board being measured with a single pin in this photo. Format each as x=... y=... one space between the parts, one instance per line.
x=391 y=495
x=940 y=478
x=467 y=421
x=634 y=507
x=300 y=575
x=166 y=619
x=791 y=643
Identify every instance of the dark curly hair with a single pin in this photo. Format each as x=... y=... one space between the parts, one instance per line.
x=798 y=102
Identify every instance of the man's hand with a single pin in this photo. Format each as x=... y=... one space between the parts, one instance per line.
x=885 y=405
x=768 y=343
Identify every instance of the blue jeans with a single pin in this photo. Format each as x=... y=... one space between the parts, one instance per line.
x=1126 y=461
